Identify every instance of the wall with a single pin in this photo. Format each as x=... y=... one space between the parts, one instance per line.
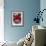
x=43 y=6
x=29 y=7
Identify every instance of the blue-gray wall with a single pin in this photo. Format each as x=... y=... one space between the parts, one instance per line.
x=29 y=7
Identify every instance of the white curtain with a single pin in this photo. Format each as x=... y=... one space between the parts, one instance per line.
x=1 y=20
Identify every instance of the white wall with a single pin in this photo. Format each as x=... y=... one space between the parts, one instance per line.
x=43 y=6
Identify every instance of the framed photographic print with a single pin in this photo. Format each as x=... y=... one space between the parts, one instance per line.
x=17 y=18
